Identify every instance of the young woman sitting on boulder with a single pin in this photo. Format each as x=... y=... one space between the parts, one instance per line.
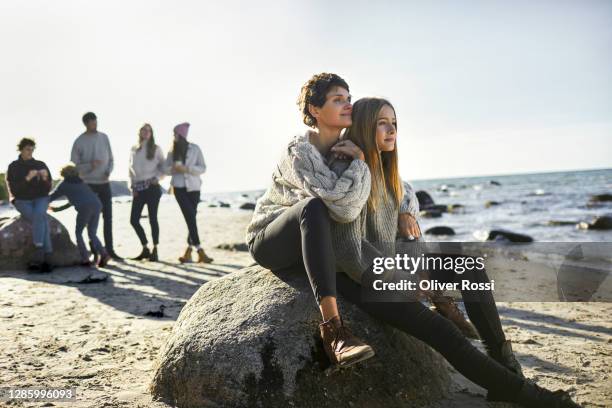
x=291 y=222
x=29 y=182
x=357 y=243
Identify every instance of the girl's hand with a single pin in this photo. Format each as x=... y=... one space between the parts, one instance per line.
x=408 y=226
x=347 y=149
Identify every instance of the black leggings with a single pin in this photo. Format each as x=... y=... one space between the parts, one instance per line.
x=301 y=236
x=103 y=191
x=149 y=197
x=188 y=202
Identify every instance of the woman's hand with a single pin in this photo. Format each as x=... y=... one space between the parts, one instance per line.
x=408 y=226
x=31 y=174
x=44 y=174
x=179 y=168
x=347 y=149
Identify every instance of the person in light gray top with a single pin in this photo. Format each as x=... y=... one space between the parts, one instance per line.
x=93 y=158
x=147 y=166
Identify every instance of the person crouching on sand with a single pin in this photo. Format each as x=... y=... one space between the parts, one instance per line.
x=88 y=207
x=186 y=164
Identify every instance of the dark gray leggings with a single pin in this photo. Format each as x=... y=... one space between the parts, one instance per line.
x=301 y=236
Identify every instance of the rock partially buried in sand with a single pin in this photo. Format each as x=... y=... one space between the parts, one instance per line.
x=247 y=206
x=503 y=235
x=491 y=203
x=441 y=230
x=17 y=249
x=238 y=246
x=250 y=339
x=603 y=222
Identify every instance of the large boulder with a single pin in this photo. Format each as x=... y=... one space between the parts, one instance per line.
x=17 y=249
x=250 y=339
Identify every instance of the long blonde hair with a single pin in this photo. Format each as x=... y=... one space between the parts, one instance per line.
x=383 y=165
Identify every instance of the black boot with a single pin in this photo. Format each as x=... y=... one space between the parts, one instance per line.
x=96 y=255
x=505 y=356
x=145 y=254
x=37 y=260
x=153 y=257
x=533 y=396
x=47 y=266
x=111 y=252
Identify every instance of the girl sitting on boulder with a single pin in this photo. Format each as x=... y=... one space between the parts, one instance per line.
x=88 y=207
x=357 y=243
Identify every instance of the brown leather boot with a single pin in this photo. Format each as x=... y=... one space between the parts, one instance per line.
x=186 y=258
x=202 y=257
x=341 y=346
x=446 y=306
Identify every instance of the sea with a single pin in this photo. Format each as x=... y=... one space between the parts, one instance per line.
x=526 y=204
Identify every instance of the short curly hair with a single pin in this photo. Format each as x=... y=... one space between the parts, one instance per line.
x=25 y=142
x=314 y=92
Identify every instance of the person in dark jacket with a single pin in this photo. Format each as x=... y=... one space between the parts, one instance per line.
x=29 y=181
x=88 y=207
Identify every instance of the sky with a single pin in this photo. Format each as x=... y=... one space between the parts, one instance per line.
x=479 y=87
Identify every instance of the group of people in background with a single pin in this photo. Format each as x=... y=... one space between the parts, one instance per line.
x=86 y=185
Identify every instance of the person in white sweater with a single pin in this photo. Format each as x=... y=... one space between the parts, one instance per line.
x=185 y=163
x=291 y=221
x=146 y=169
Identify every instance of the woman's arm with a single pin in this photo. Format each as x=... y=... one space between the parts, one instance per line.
x=344 y=195
x=161 y=163
x=199 y=167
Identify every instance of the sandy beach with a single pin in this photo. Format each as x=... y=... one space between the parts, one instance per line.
x=58 y=332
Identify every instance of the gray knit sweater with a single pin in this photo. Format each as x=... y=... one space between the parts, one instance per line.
x=303 y=172
x=372 y=234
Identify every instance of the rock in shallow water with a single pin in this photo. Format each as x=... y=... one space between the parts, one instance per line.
x=440 y=230
x=603 y=222
x=250 y=339
x=504 y=235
